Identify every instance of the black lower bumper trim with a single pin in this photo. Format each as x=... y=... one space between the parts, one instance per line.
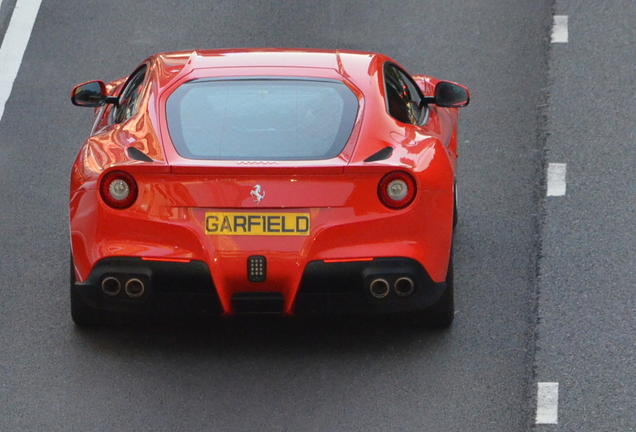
x=258 y=303
x=326 y=288
x=170 y=287
x=343 y=287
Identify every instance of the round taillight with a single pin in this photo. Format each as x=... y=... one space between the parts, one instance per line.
x=118 y=189
x=397 y=189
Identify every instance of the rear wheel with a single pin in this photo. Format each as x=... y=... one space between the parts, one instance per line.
x=442 y=313
x=83 y=315
x=455 y=217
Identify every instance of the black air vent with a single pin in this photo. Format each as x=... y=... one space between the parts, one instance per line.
x=136 y=154
x=383 y=154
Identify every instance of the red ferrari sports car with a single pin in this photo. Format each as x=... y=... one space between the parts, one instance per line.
x=295 y=182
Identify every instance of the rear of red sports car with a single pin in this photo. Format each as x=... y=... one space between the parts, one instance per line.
x=260 y=181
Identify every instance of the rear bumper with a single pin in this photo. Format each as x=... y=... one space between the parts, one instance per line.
x=325 y=288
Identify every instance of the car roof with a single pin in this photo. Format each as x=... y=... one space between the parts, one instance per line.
x=355 y=66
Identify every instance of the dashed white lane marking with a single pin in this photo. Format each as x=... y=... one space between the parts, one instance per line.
x=556 y=179
x=14 y=44
x=548 y=403
x=560 y=29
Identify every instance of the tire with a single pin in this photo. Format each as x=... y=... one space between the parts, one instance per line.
x=83 y=315
x=442 y=313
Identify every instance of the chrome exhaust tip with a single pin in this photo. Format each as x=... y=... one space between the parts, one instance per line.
x=404 y=286
x=379 y=288
x=111 y=286
x=135 y=288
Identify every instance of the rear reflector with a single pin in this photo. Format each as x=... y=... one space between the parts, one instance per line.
x=346 y=260
x=177 y=260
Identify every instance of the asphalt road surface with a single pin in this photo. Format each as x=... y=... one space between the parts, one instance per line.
x=587 y=321
x=346 y=374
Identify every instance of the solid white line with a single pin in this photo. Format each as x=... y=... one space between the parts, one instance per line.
x=548 y=403
x=560 y=29
x=556 y=179
x=14 y=45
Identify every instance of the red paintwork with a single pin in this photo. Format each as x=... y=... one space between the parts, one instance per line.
x=348 y=220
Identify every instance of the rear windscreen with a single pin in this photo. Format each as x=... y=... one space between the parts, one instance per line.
x=261 y=119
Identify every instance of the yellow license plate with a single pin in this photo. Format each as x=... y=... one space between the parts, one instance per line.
x=235 y=223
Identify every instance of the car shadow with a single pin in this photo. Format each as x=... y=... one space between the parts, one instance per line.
x=254 y=336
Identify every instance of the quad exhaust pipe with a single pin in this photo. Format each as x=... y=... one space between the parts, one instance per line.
x=379 y=288
x=111 y=286
x=403 y=287
x=134 y=287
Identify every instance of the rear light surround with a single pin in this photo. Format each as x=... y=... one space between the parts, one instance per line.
x=397 y=190
x=118 y=189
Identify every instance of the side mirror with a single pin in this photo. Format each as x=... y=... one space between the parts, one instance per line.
x=90 y=94
x=451 y=95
